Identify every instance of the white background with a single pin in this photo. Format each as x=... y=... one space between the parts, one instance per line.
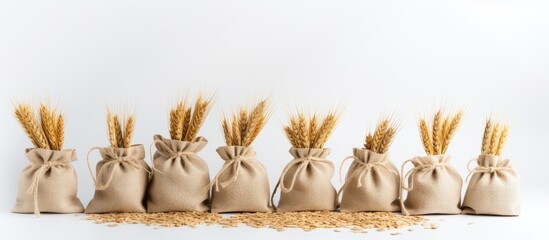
x=370 y=57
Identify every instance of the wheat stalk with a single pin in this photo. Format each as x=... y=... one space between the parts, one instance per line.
x=303 y=132
x=425 y=137
x=128 y=131
x=486 y=137
x=245 y=127
x=502 y=140
x=47 y=122
x=452 y=127
x=27 y=120
x=436 y=132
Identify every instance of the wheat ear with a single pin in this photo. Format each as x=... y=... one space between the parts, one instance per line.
x=425 y=137
x=291 y=136
x=28 y=122
x=368 y=142
x=112 y=130
x=386 y=141
x=502 y=140
x=313 y=129
x=303 y=133
x=243 y=122
x=236 y=141
x=256 y=123
x=186 y=122
x=200 y=111
x=46 y=120
x=128 y=131
x=119 y=134
x=436 y=134
x=227 y=132
x=456 y=120
x=60 y=132
x=380 y=131
x=486 y=138
x=494 y=139
x=326 y=129
x=173 y=124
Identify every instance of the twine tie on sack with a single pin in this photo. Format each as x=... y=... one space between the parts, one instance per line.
x=483 y=169
x=410 y=174
x=364 y=167
x=303 y=161
x=99 y=185
x=173 y=154
x=33 y=188
x=236 y=163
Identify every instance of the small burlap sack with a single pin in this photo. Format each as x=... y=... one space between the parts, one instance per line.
x=121 y=182
x=242 y=184
x=306 y=182
x=180 y=180
x=371 y=184
x=48 y=183
x=434 y=187
x=494 y=188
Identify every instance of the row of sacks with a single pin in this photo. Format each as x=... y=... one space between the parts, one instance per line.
x=179 y=180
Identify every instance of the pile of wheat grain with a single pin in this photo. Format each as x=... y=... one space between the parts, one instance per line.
x=495 y=135
x=382 y=137
x=186 y=121
x=49 y=132
x=436 y=138
x=358 y=222
x=243 y=127
x=119 y=138
x=310 y=132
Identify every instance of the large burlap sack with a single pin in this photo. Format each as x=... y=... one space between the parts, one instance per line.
x=371 y=184
x=242 y=184
x=121 y=182
x=48 y=183
x=434 y=187
x=306 y=182
x=494 y=188
x=180 y=180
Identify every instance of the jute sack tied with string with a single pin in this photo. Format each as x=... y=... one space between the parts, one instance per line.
x=242 y=184
x=121 y=182
x=434 y=186
x=494 y=188
x=48 y=183
x=180 y=180
x=306 y=182
x=371 y=183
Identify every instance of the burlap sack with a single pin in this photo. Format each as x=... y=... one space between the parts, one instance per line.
x=494 y=188
x=306 y=182
x=242 y=184
x=48 y=183
x=371 y=184
x=180 y=180
x=121 y=181
x=434 y=187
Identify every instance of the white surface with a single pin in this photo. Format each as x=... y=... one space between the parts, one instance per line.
x=369 y=56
